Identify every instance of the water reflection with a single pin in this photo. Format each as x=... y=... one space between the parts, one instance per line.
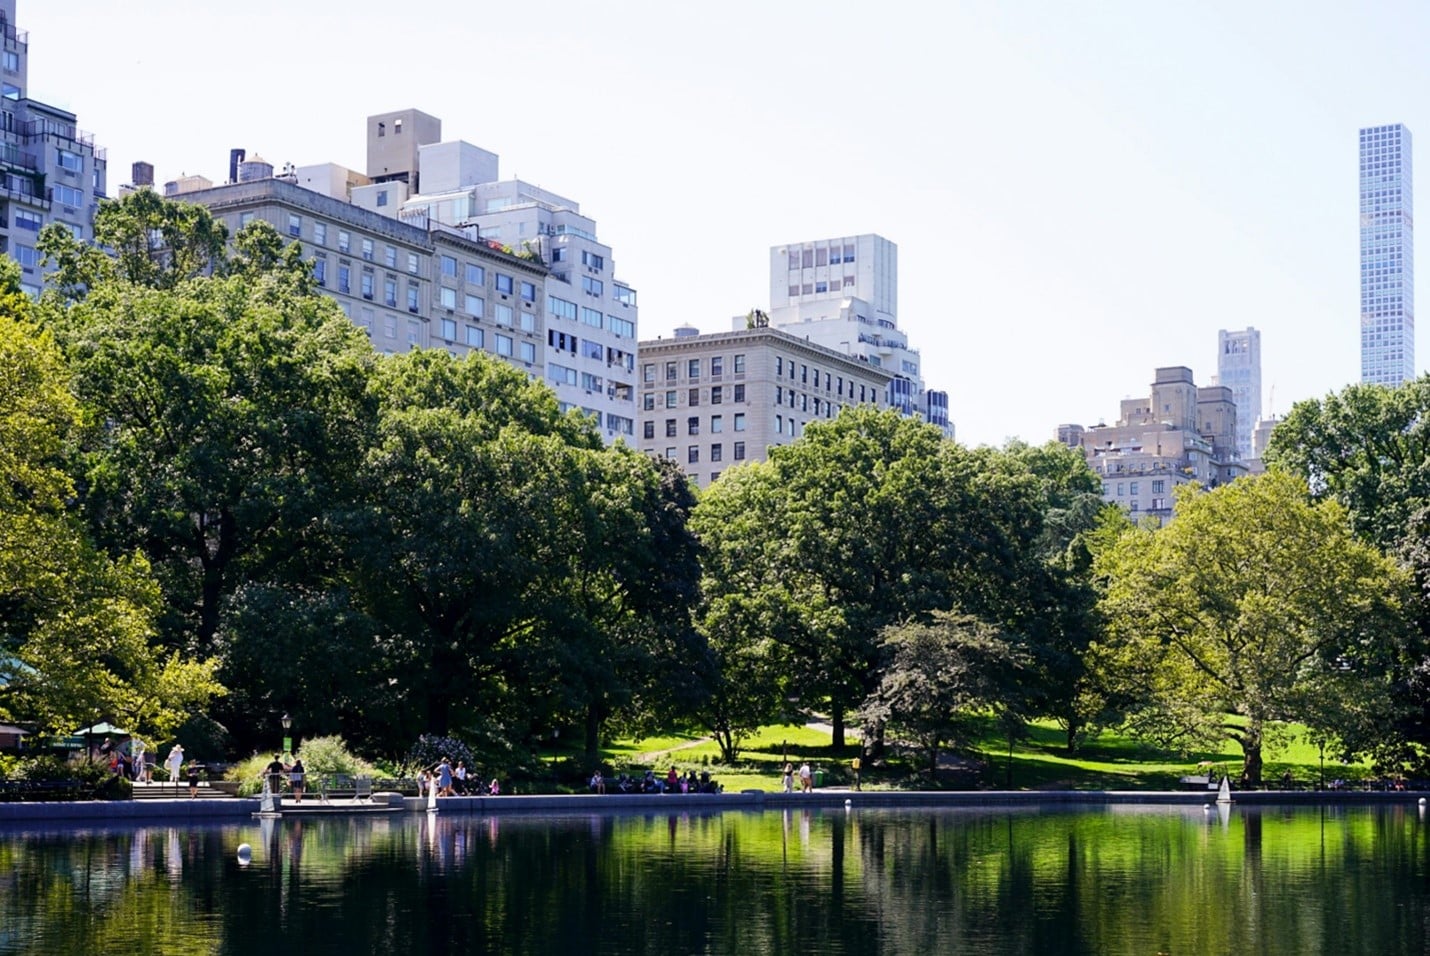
x=1114 y=880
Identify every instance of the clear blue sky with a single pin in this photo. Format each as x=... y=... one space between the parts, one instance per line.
x=1080 y=192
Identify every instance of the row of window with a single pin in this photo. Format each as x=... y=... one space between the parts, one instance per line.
x=717 y=453
x=692 y=425
x=717 y=396
x=811 y=258
x=715 y=364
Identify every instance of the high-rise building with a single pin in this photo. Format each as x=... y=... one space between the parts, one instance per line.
x=50 y=170
x=1238 y=363
x=843 y=294
x=1387 y=256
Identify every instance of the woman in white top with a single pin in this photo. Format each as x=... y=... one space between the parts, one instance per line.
x=175 y=762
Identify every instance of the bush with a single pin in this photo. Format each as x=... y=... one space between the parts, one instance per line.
x=320 y=756
x=430 y=749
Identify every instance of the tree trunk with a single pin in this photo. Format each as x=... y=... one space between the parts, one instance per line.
x=1251 y=747
x=593 y=730
x=837 y=719
x=1074 y=728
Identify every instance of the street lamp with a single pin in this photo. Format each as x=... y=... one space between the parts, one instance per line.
x=287 y=723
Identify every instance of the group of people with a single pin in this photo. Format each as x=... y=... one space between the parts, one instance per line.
x=450 y=781
x=672 y=782
x=806 y=778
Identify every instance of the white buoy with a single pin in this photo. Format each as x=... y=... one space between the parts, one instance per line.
x=1422 y=801
x=1206 y=806
x=245 y=854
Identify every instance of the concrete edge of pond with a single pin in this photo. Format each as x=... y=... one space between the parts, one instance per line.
x=205 y=811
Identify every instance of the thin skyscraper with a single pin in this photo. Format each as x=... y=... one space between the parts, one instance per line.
x=1387 y=256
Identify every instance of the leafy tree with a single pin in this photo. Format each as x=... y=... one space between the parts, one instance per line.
x=940 y=674
x=75 y=625
x=868 y=521
x=1258 y=604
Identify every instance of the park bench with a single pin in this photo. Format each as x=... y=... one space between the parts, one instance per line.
x=342 y=786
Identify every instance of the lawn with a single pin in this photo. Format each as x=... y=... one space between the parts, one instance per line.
x=1106 y=761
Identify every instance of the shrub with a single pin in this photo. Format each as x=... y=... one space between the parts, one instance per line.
x=320 y=755
x=430 y=749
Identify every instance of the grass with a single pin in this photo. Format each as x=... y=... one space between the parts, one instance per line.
x=1108 y=761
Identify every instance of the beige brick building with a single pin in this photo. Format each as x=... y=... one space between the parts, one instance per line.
x=710 y=402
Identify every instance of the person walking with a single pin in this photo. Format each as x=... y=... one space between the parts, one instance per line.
x=789 y=778
x=806 y=778
x=854 y=766
x=174 y=763
x=193 y=780
x=444 y=778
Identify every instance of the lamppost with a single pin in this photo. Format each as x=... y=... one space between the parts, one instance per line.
x=287 y=723
x=555 y=744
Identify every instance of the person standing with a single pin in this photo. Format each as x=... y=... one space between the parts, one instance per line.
x=854 y=765
x=193 y=780
x=789 y=778
x=444 y=778
x=296 y=779
x=275 y=770
x=174 y=763
x=806 y=778
x=459 y=778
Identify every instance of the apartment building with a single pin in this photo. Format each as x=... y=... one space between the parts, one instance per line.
x=843 y=293
x=1387 y=256
x=50 y=170
x=1178 y=434
x=710 y=402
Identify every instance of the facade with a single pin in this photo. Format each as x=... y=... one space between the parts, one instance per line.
x=408 y=287
x=1238 y=365
x=50 y=170
x=591 y=316
x=710 y=402
x=843 y=293
x=1178 y=434
x=1387 y=256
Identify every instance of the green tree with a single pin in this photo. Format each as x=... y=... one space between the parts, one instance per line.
x=75 y=626
x=1258 y=605
x=868 y=521
x=940 y=675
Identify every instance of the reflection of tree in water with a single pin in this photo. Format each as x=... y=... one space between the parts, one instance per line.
x=867 y=881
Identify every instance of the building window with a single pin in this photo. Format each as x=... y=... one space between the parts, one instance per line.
x=716 y=452
x=476 y=275
x=389 y=292
x=413 y=302
x=70 y=161
x=592 y=260
x=592 y=286
x=670 y=399
x=449 y=266
x=449 y=330
x=367 y=249
x=382 y=198
x=779 y=424
x=648 y=402
x=623 y=328
x=475 y=337
x=670 y=429
x=670 y=371
x=739 y=451
x=504 y=283
x=648 y=372
x=717 y=423
x=504 y=346
x=502 y=314
x=692 y=425
x=716 y=395
x=560 y=308
x=320 y=234
x=448 y=298
x=739 y=395
x=528 y=351
x=648 y=430
x=344 y=277
x=739 y=364
x=593 y=318
x=295 y=225
x=528 y=291
x=1159 y=487
x=367 y=285
x=692 y=454
x=412 y=263
x=244 y=218
x=739 y=421
x=414 y=332
x=344 y=240
x=25 y=219
x=320 y=271
x=694 y=397
x=389 y=256
x=474 y=305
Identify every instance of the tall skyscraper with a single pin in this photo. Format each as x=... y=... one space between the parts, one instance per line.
x=1387 y=256
x=1238 y=367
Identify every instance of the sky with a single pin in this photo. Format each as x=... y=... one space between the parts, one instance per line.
x=1080 y=192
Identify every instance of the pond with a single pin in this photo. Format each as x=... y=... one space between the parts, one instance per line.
x=1137 y=880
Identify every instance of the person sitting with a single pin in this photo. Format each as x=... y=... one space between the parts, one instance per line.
x=495 y=788
x=598 y=782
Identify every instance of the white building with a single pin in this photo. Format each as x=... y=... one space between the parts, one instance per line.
x=843 y=294
x=590 y=315
x=50 y=170
x=1238 y=365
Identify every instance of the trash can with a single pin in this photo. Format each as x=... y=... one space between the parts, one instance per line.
x=819 y=778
